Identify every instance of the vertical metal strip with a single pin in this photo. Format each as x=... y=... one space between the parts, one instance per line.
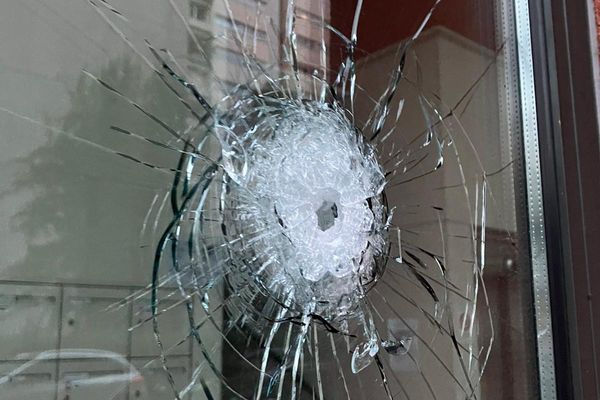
x=537 y=235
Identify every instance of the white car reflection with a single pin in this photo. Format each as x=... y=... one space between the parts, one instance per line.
x=85 y=374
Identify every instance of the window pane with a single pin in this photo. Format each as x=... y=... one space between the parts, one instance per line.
x=263 y=199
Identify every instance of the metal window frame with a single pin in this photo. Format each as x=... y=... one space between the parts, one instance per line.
x=565 y=62
x=535 y=201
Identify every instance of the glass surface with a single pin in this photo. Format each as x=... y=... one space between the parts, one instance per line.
x=103 y=109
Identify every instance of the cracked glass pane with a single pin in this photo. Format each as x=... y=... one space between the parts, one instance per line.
x=262 y=199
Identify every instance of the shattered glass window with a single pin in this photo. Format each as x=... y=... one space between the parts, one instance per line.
x=263 y=199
